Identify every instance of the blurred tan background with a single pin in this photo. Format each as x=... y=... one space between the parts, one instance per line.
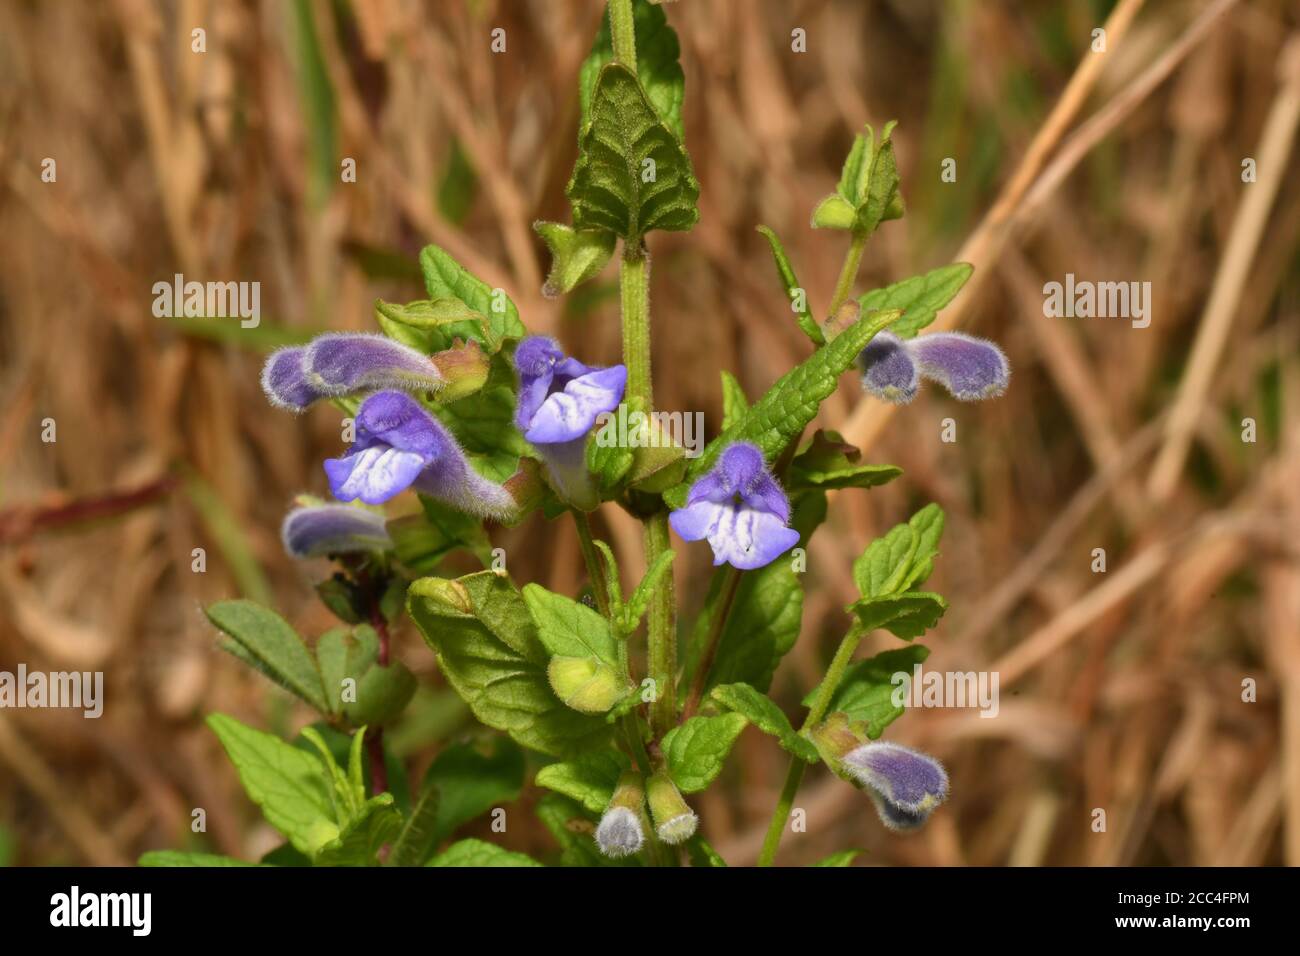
x=1119 y=690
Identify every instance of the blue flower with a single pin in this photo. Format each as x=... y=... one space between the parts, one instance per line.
x=560 y=399
x=311 y=531
x=905 y=784
x=970 y=368
x=341 y=363
x=399 y=445
x=740 y=508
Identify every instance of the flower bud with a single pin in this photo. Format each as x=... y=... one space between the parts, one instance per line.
x=905 y=784
x=674 y=820
x=621 y=832
x=343 y=363
x=315 y=530
x=585 y=684
x=463 y=369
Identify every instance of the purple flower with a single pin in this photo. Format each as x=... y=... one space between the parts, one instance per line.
x=740 y=508
x=559 y=397
x=314 y=530
x=341 y=363
x=400 y=445
x=968 y=367
x=905 y=784
x=559 y=402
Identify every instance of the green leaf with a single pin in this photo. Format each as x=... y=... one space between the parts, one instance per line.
x=347 y=794
x=276 y=647
x=632 y=174
x=781 y=415
x=180 y=858
x=484 y=424
x=919 y=297
x=828 y=462
x=701 y=854
x=762 y=712
x=487 y=647
x=382 y=694
x=568 y=628
x=469 y=783
x=421 y=541
x=762 y=626
x=657 y=67
x=842 y=858
x=867 y=688
x=344 y=653
x=425 y=323
x=888 y=572
x=640 y=599
x=696 y=750
x=288 y=784
x=867 y=193
x=473 y=852
x=834 y=212
x=445 y=278
x=903 y=558
x=363 y=834
x=416 y=838
x=907 y=615
x=879 y=199
x=589 y=779
x=857 y=166
x=734 y=402
x=794 y=291
x=576 y=255
x=609 y=463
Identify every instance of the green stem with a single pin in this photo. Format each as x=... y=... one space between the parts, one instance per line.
x=726 y=598
x=781 y=814
x=848 y=273
x=623 y=32
x=794 y=776
x=634 y=294
x=599 y=587
x=661 y=631
x=661 y=627
x=834 y=674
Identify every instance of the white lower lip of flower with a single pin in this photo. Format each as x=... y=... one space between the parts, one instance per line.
x=619 y=833
x=679 y=829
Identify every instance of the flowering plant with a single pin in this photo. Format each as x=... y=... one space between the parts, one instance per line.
x=487 y=424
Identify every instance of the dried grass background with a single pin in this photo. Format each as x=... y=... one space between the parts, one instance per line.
x=1120 y=691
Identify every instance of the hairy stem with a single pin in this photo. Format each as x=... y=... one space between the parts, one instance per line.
x=848 y=273
x=599 y=587
x=661 y=628
x=622 y=32
x=375 y=735
x=726 y=598
x=794 y=776
x=784 y=804
x=634 y=296
x=661 y=631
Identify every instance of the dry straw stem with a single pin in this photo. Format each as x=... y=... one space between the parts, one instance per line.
x=1019 y=200
x=27 y=765
x=1230 y=279
x=1282 y=619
